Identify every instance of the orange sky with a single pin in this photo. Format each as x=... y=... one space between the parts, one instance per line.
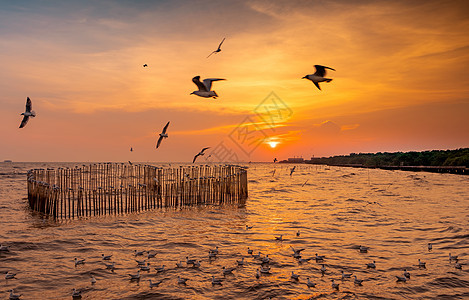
x=401 y=80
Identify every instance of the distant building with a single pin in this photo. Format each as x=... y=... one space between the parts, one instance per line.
x=294 y=160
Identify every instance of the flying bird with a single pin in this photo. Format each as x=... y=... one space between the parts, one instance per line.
x=131 y=149
x=275 y=160
x=218 y=49
x=201 y=153
x=163 y=135
x=145 y=65
x=204 y=87
x=27 y=113
x=318 y=76
x=292 y=170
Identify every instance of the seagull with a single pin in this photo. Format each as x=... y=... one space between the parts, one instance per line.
x=279 y=238
x=215 y=281
x=266 y=259
x=14 y=296
x=310 y=284
x=110 y=266
x=159 y=269
x=319 y=257
x=196 y=264
x=182 y=280
x=179 y=264
x=218 y=49
x=346 y=275
x=421 y=264
x=249 y=251
x=135 y=276
x=145 y=267
x=258 y=274
x=257 y=256
x=303 y=260
x=240 y=262
x=79 y=261
x=214 y=250
x=141 y=262
x=294 y=276
x=298 y=233
x=458 y=266
x=145 y=65
x=27 y=113
x=296 y=251
x=154 y=284
x=318 y=76
x=9 y=275
x=139 y=252
x=227 y=271
x=406 y=274
x=248 y=227
x=292 y=170
x=4 y=248
x=163 y=135
x=201 y=153
x=106 y=257
x=430 y=246
x=451 y=257
x=357 y=281
x=204 y=88
x=334 y=285
x=93 y=280
x=401 y=278
x=76 y=294
x=363 y=249
x=265 y=270
x=371 y=265
x=323 y=269
x=189 y=261
x=151 y=255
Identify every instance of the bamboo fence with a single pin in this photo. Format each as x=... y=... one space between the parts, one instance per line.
x=116 y=188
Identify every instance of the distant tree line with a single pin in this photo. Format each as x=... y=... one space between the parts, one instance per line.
x=459 y=157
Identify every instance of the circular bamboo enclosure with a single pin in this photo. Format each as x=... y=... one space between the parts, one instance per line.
x=117 y=188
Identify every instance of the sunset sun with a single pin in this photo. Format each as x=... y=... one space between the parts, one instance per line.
x=273 y=144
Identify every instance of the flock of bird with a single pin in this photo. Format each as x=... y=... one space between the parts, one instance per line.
x=204 y=90
x=263 y=264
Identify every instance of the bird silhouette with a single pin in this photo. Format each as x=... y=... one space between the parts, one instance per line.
x=318 y=76
x=218 y=49
x=27 y=113
x=204 y=87
x=163 y=135
x=201 y=153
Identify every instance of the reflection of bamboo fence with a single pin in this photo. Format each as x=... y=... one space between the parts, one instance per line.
x=113 y=188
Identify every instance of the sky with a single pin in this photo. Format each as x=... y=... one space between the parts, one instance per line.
x=401 y=79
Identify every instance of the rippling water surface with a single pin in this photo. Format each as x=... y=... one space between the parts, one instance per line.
x=336 y=210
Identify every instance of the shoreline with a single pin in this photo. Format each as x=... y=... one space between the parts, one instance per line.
x=459 y=170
